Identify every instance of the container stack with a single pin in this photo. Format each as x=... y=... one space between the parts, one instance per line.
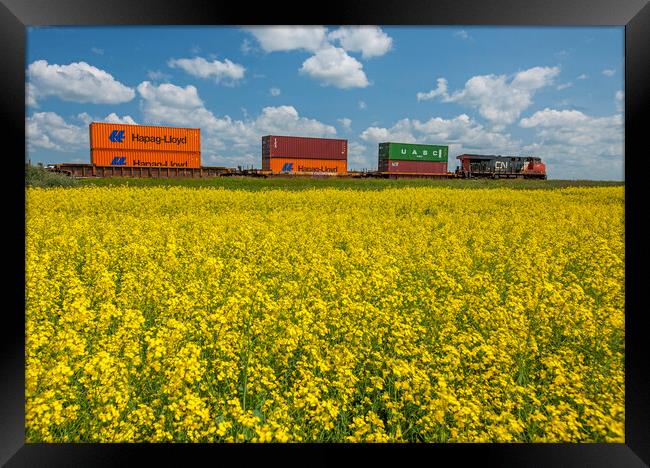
x=295 y=155
x=144 y=146
x=408 y=158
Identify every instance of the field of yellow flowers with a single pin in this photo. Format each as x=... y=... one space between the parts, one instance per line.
x=411 y=314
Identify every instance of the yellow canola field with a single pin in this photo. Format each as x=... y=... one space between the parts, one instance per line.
x=412 y=314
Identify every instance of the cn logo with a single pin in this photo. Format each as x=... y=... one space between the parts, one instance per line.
x=288 y=167
x=116 y=136
x=118 y=161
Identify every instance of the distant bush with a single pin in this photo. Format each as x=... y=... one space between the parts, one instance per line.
x=38 y=176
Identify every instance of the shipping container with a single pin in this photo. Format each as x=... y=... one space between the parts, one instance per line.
x=144 y=137
x=414 y=167
x=132 y=158
x=413 y=152
x=304 y=147
x=294 y=165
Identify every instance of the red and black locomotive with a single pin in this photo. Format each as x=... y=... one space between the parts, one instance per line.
x=495 y=167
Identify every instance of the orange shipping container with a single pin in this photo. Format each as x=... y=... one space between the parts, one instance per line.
x=294 y=165
x=144 y=137
x=131 y=158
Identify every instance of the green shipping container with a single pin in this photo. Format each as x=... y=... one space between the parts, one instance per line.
x=413 y=152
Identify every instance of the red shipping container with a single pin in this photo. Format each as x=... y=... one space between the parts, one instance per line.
x=304 y=147
x=413 y=167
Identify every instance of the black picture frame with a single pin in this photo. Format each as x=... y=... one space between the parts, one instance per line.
x=17 y=15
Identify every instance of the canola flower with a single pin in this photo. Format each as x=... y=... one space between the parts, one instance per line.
x=402 y=315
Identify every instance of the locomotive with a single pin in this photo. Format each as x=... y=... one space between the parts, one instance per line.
x=495 y=167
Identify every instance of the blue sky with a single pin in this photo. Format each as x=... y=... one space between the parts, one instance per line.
x=552 y=92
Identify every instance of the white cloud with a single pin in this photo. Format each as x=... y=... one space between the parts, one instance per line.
x=562 y=86
x=97 y=50
x=49 y=130
x=497 y=99
x=333 y=66
x=283 y=38
x=535 y=78
x=275 y=91
x=112 y=118
x=329 y=64
x=582 y=77
x=441 y=90
x=345 y=122
x=170 y=95
x=77 y=82
x=371 y=41
x=225 y=71
x=550 y=118
x=361 y=157
x=362 y=105
x=609 y=72
x=285 y=119
x=168 y=104
x=576 y=145
x=381 y=134
x=86 y=118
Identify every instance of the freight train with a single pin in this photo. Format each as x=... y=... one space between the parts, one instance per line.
x=122 y=150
